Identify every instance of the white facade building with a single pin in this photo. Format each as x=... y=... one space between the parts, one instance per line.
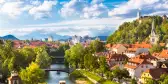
x=76 y=39
x=138 y=64
x=132 y=52
x=118 y=48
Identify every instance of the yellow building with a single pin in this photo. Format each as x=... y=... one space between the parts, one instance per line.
x=153 y=74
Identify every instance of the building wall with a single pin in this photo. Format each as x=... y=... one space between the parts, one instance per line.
x=130 y=54
x=120 y=63
x=131 y=72
x=141 y=68
x=121 y=49
x=144 y=77
x=142 y=50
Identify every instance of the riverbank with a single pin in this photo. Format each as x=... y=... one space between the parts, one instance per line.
x=90 y=78
x=79 y=78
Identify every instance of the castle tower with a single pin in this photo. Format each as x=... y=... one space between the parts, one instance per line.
x=50 y=38
x=164 y=17
x=153 y=37
x=139 y=14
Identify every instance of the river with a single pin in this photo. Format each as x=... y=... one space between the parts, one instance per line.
x=54 y=78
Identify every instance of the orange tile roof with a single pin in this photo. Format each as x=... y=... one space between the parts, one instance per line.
x=116 y=46
x=155 y=54
x=115 y=56
x=141 y=45
x=162 y=44
x=144 y=56
x=130 y=66
x=140 y=59
x=163 y=54
x=108 y=45
x=132 y=49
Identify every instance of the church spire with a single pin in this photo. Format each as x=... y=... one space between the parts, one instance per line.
x=154 y=38
x=153 y=27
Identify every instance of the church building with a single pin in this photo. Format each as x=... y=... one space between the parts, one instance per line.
x=154 y=38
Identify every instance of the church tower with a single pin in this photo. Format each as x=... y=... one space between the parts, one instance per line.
x=139 y=14
x=153 y=37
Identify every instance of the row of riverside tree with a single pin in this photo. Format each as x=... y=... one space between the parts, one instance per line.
x=27 y=61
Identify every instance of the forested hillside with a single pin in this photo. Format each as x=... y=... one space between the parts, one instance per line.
x=131 y=32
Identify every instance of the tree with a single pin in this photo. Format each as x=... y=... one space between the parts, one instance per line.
x=32 y=74
x=42 y=58
x=156 y=48
x=7 y=56
x=26 y=56
x=131 y=32
x=75 y=55
x=96 y=46
x=133 y=81
x=120 y=74
x=102 y=64
x=163 y=79
x=90 y=62
x=151 y=81
x=109 y=75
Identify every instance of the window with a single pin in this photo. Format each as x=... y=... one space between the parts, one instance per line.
x=142 y=71
x=142 y=66
x=153 y=40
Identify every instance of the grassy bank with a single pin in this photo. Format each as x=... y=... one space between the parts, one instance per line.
x=96 y=77
x=76 y=76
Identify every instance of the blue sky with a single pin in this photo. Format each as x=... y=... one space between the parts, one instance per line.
x=72 y=17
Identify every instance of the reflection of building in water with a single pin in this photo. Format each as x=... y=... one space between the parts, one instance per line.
x=14 y=78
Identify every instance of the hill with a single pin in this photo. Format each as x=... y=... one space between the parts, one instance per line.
x=9 y=37
x=131 y=32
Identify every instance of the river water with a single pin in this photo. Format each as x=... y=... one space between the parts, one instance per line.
x=54 y=78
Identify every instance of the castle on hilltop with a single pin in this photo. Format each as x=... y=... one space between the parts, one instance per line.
x=154 y=38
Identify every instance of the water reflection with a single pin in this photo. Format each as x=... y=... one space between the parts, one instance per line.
x=54 y=77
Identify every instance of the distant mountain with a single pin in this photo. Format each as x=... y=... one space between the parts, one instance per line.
x=102 y=38
x=9 y=37
x=39 y=35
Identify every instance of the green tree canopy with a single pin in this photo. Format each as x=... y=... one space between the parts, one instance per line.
x=42 y=58
x=131 y=32
x=32 y=74
x=96 y=46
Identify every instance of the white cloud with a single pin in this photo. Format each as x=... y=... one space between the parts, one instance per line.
x=94 y=10
x=131 y=5
x=42 y=10
x=13 y=9
x=35 y=2
x=72 y=8
x=83 y=9
x=2 y=1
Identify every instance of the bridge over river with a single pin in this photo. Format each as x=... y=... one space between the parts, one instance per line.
x=58 y=59
x=67 y=70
